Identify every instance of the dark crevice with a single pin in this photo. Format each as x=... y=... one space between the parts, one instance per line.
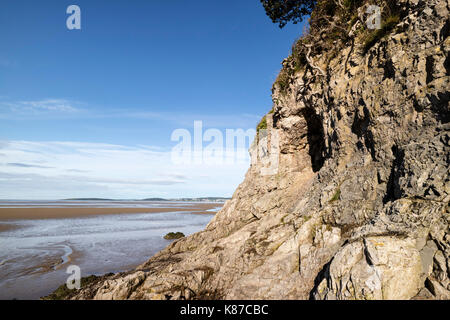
x=370 y=144
x=360 y=124
x=393 y=191
x=360 y=128
x=445 y=31
x=429 y=66
x=417 y=105
x=389 y=70
x=367 y=255
x=275 y=118
x=316 y=138
x=360 y=146
x=439 y=106
x=430 y=286
x=299 y=261
x=323 y=274
x=447 y=65
x=431 y=190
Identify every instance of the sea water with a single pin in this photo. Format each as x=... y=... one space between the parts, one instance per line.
x=34 y=257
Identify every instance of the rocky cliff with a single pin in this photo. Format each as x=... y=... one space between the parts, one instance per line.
x=357 y=207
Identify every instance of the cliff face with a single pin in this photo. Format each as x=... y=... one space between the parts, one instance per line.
x=358 y=208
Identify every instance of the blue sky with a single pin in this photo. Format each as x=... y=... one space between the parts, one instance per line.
x=135 y=72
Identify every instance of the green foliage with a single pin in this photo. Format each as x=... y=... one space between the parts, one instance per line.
x=284 y=11
x=262 y=125
x=64 y=293
x=298 y=55
x=376 y=35
x=325 y=8
x=329 y=31
x=174 y=235
x=59 y=294
x=353 y=20
x=283 y=80
x=352 y=4
x=336 y=195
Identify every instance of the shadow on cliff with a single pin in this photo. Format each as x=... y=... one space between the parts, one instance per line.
x=316 y=139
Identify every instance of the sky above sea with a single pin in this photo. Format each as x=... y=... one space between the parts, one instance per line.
x=91 y=112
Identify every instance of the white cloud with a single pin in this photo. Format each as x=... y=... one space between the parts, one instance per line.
x=54 y=170
x=26 y=165
x=68 y=109
x=45 y=107
x=59 y=105
x=182 y=119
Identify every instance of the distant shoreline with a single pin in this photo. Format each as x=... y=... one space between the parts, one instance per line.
x=201 y=199
x=33 y=213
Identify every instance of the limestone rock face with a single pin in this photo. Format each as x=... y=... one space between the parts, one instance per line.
x=357 y=207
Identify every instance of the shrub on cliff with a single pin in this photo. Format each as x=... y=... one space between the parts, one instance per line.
x=284 y=11
x=333 y=25
x=174 y=235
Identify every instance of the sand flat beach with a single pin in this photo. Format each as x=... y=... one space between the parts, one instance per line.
x=40 y=239
x=22 y=213
x=7 y=227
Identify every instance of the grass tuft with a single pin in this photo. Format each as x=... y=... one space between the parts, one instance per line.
x=336 y=195
x=174 y=235
x=262 y=125
x=376 y=35
x=64 y=293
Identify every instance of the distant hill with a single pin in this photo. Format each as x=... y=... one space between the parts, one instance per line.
x=204 y=199
x=201 y=199
x=90 y=199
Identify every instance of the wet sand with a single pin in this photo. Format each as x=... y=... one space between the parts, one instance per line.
x=73 y=212
x=7 y=227
x=40 y=241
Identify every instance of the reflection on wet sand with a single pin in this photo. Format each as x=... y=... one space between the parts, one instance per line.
x=6 y=227
x=35 y=253
x=15 y=213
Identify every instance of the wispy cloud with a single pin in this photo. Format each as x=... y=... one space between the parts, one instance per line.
x=165 y=181
x=68 y=109
x=180 y=118
x=77 y=171
x=26 y=165
x=43 y=170
x=45 y=107
x=59 y=105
